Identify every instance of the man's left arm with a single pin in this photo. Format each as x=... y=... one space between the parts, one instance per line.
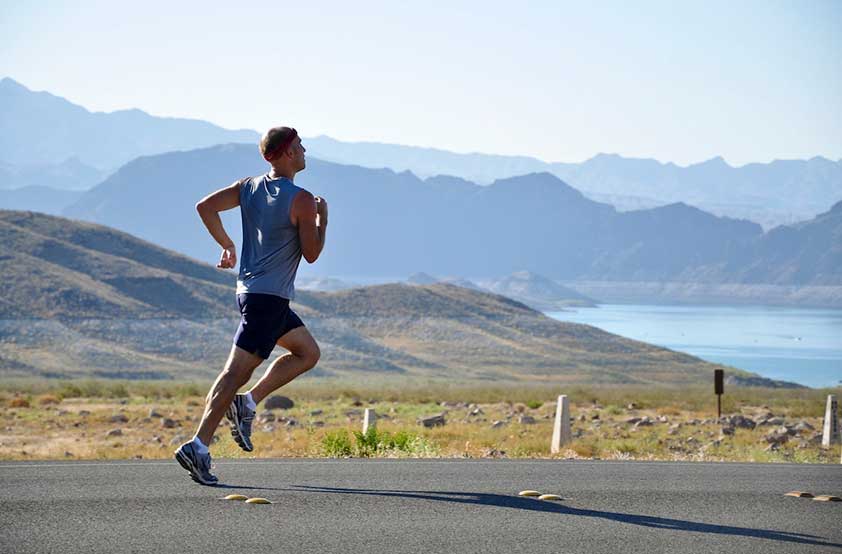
x=209 y=208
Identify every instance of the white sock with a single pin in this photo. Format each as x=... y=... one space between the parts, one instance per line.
x=250 y=403
x=200 y=446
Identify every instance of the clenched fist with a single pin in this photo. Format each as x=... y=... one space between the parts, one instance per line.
x=321 y=208
x=228 y=258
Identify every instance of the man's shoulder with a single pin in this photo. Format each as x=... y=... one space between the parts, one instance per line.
x=302 y=194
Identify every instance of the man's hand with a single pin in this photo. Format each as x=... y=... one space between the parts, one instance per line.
x=321 y=209
x=228 y=259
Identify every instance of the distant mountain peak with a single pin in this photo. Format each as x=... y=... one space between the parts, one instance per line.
x=9 y=83
x=613 y=159
x=607 y=156
x=132 y=111
x=524 y=274
x=718 y=161
x=422 y=278
x=539 y=177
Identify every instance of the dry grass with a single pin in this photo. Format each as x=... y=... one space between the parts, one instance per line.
x=45 y=423
x=665 y=400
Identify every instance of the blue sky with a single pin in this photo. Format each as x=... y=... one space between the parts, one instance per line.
x=675 y=81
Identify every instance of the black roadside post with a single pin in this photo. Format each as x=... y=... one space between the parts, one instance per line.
x=718 y=386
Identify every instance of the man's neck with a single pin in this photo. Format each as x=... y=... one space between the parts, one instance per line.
x=277 y=172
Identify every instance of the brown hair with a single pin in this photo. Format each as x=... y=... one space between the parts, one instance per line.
x=274 y=139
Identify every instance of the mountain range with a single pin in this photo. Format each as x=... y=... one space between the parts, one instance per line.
x=393 y=224
x=87 y=300
x=47 y=140
x=83 y=147
x=782 y=191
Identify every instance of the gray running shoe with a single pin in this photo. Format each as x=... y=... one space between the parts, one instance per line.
x=197 y=464
x=241 y=418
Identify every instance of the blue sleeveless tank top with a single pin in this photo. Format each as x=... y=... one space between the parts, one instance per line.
x=271 y=249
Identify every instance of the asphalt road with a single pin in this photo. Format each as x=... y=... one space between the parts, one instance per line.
x=413 y=506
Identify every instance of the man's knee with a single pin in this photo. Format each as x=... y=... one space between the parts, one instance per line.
x=310 y=355
x=237 y=376
x=240 y=365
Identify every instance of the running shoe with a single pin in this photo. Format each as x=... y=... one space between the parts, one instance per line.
x=241 y=418
x=197 y=464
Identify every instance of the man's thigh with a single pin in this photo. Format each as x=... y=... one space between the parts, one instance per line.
x=299 y=341
x=242 y=361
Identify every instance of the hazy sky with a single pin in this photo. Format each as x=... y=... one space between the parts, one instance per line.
x=677 y=81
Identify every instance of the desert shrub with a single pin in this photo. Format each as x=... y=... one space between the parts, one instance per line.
x=534 y=404
x=49 y=399
x=18 y=403
x=92 y=389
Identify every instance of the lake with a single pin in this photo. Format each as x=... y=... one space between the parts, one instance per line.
x=800 y=345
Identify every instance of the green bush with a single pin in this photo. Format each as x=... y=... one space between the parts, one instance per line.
x=627 y=447
x=403 y=440
x=336 y=444
x=534 y=404
x=368 y=443
x=373 y=442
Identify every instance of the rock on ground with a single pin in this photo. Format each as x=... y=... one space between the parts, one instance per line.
x=433 y=421
x=278 y=402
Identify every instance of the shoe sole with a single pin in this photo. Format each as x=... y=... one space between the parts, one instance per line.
x=187 y=464
x=231 y=415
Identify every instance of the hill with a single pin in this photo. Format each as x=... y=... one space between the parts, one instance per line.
x=807 y=251
x=85 y=300
x=537 y=291
x=532 y=289
x=37 y=198
x=70 y=175
x=69 y=269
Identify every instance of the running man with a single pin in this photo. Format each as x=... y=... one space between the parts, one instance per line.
x=281 y=222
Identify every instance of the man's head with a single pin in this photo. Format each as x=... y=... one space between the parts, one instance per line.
x=281 y=147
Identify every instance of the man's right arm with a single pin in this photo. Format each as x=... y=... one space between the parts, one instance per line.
x=311 y=230
x=209 y=208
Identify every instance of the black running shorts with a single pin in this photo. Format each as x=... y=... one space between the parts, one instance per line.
x=265 y=319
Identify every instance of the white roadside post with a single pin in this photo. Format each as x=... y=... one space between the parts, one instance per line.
x=369 y=420
x=830 y=430
x=561 y=429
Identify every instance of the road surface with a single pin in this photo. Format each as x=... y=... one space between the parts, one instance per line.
x=413 y=506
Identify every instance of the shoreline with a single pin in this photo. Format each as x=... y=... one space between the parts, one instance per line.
x=709 y=294
x=792 y=344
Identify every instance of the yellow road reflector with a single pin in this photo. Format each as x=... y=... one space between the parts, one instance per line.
x=257 y=501
x=827 y=498
x=236 y=497
x=529 y=493
x=549 y=497
x=799 y=494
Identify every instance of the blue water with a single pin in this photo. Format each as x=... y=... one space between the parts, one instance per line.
x=800 y=345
